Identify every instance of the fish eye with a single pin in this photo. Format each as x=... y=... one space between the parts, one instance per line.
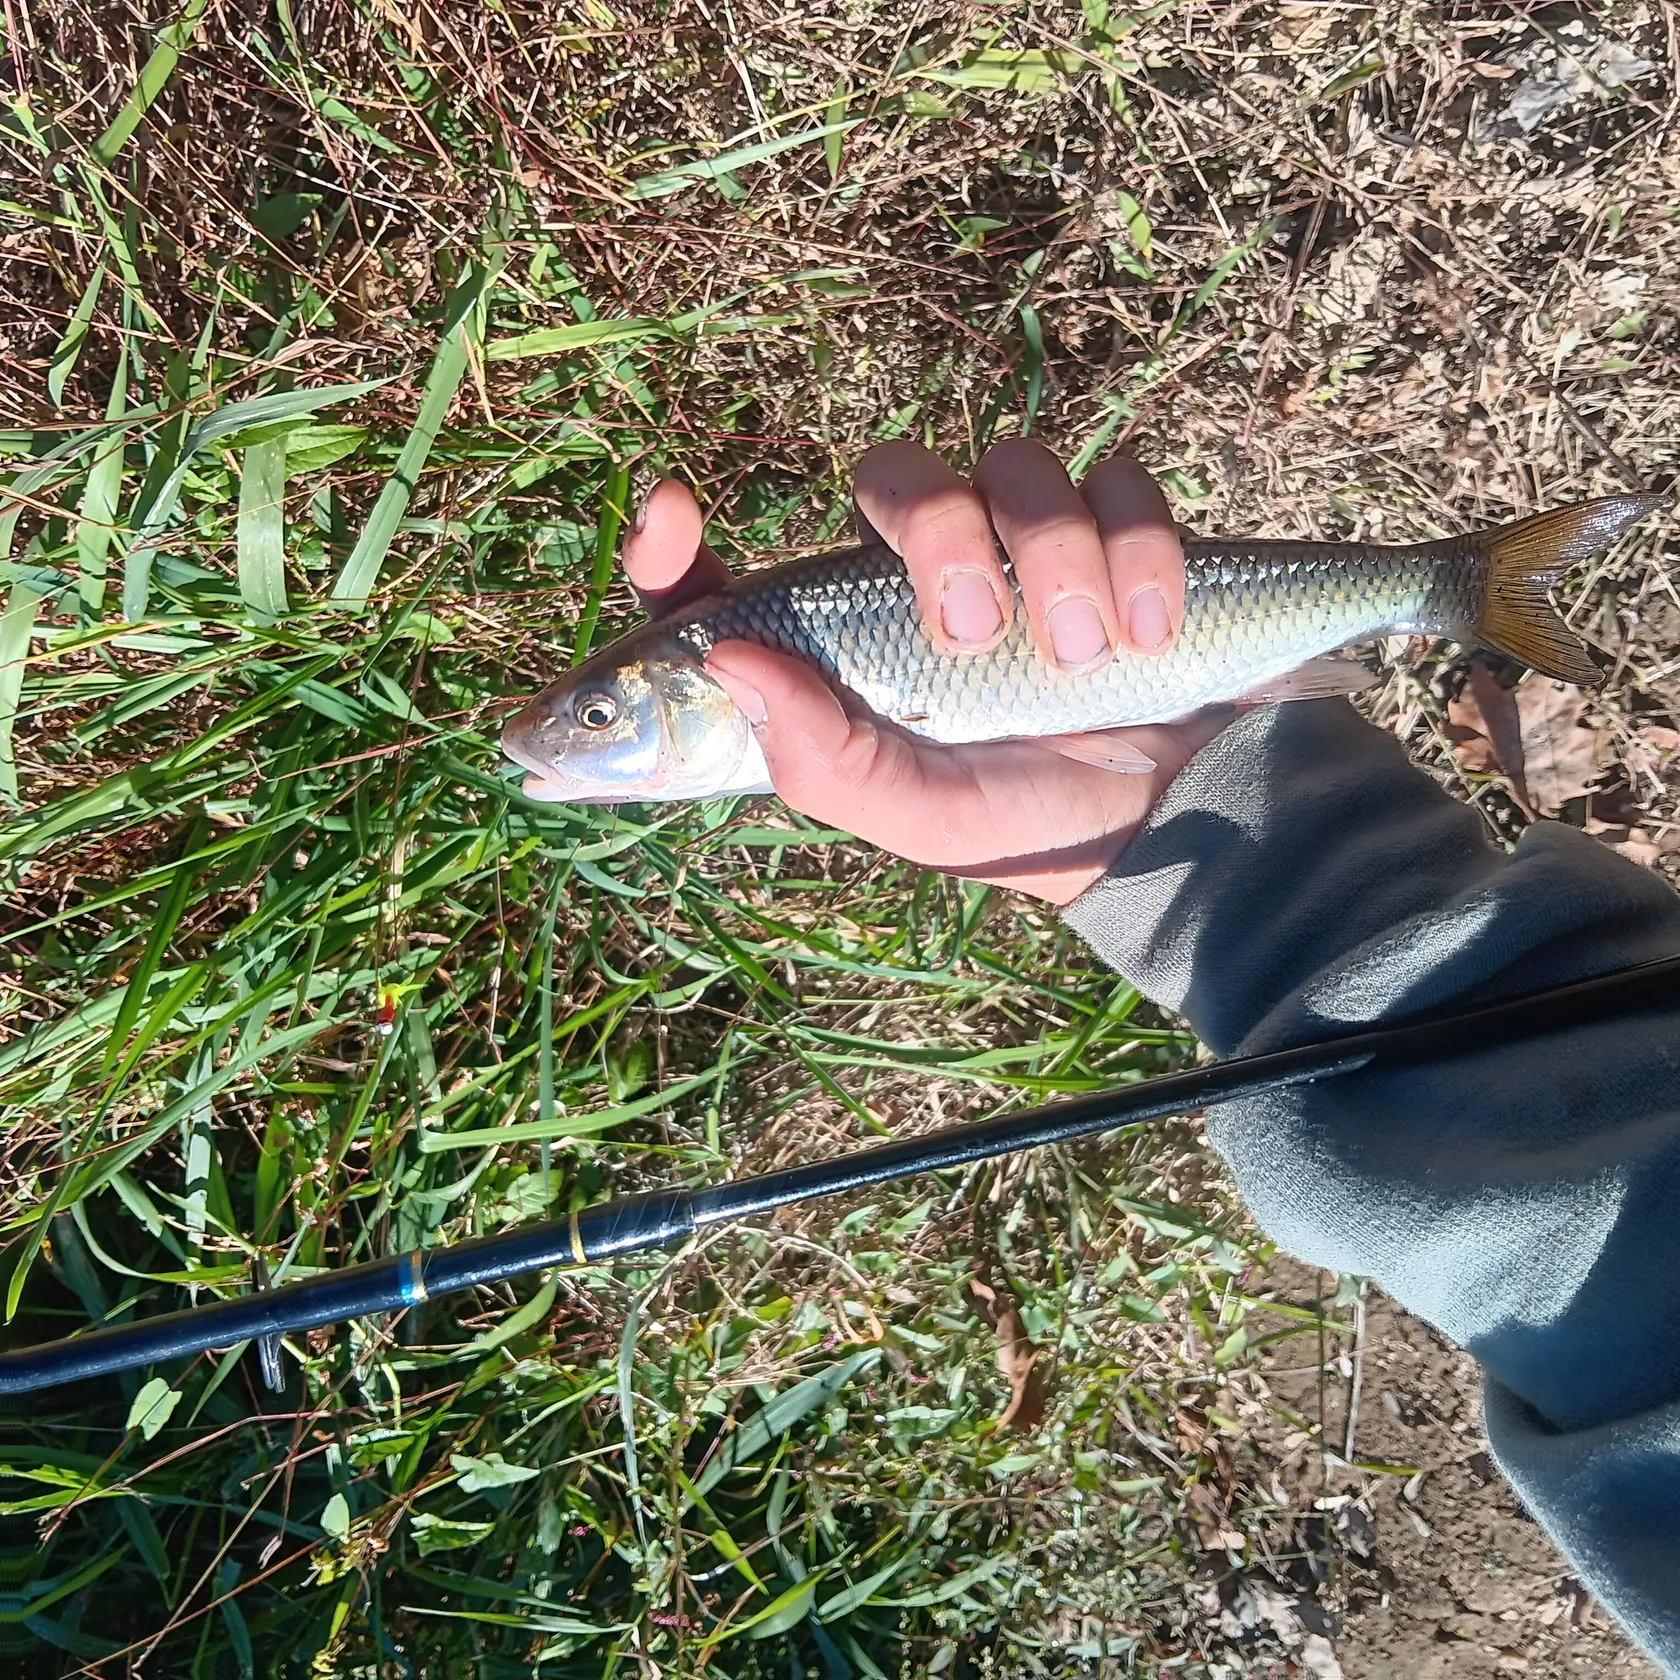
x=595 y=711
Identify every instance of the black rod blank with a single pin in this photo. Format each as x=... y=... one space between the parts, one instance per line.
x=662 y=1217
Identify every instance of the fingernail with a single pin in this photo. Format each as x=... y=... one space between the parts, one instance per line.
x=746 y=697
x=640 y=520
x=1077 y=633
x=969 y=609
x=1149 y=625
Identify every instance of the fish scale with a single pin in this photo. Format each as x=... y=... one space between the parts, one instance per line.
x=1252 y=613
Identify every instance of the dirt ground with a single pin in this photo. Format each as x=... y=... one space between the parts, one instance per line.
x=1429 y=1569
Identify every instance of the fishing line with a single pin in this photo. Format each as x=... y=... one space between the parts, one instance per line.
x=659 y=1218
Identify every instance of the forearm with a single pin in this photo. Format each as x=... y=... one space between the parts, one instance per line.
x=1301 y=878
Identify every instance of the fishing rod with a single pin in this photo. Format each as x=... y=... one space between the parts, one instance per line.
x=659 y=1218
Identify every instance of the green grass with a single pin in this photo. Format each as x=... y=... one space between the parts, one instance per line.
x=294 y=973
x=350 y=333
x=196 y=1074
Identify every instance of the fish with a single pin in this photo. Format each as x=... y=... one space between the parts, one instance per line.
x=642 y=720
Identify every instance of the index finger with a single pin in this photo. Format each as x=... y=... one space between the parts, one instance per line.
x=928 y=514
x=667 y=563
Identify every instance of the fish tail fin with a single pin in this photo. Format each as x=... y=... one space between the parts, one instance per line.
x=1525 y=557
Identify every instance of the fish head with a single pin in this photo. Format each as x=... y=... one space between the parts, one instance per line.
x=642 y=720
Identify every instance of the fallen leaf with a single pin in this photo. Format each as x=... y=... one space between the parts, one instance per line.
x=1640 y=846
x=1560 y=754
x=1475 y=753
x=1631 y=842
x=1189 y=1431
x=1017 y=1359
x=1208 y=1513
x=1300 y=26
x=1318 y=1657
x=1485 y=725
x=1648 y=753
x=1293 y=398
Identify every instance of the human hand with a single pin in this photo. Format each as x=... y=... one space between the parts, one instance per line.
x=1099 y=567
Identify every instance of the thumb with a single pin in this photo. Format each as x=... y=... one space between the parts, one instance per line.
x=825 y=762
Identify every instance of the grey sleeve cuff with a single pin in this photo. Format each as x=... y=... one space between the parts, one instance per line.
x=1608 y=1496
x=1301 y=877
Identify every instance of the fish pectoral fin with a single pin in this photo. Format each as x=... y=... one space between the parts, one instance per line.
x=1102 y=749
x=1318 y=679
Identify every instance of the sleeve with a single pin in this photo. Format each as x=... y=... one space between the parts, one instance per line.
x=1301 y=879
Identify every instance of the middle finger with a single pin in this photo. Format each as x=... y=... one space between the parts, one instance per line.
x=1058 y=554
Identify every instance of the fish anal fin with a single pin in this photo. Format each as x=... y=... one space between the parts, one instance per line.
x=1318 y=679
x=1102 y=749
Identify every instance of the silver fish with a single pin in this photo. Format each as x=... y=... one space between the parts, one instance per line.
x=642 y=720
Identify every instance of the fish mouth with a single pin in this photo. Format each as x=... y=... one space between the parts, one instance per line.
x=544 y=787
x=544 y=790
x=541 y=784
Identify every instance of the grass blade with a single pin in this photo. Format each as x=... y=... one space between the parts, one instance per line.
x=16 y=625
x=846 y=1601
x=835 y=115
x=1033 y=333
x=576 y=335
x=262 y=531
x=564 y=1125
x=781 y=1415
x=231 y=417
x=154 y=77
x=97 y=524
x=545 y=1043
x=163 y=930
x=69 y=348
x=607 y=528
x=1222 y=271
x=627 y=1410
x=783 y=1613
x=464 y=327
x=1023 y=70
x=709 y=169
